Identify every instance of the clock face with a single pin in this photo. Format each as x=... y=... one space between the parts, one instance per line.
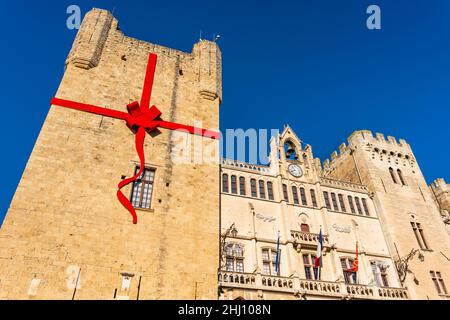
x=295 y=170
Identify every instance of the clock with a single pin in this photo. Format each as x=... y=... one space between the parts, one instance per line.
x=295 y=170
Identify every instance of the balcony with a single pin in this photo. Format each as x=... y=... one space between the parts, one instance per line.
x=307 y=239
x=308 y=288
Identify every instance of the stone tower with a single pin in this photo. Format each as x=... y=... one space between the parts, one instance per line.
x=408 y=212
x=441 y=191
x=65 y=235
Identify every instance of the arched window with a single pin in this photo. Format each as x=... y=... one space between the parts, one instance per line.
x=420 y=237
x=304 y=227
x=438 y=282
x=295 y=194
x=305 y=160
x=270 y=190
x=262 y=189
x=285 y=192
x=253 y=187
x=366 y=208
x=234 y=255
x=350 y=203
x=334 y=201
x=303 y=196
x=327 y=200
x=225 y=182
x=400 y=175
x=233 y=184
x=290 y=150
x=358 y=205
x=341 y=202
x=391 y=171
x=242 y=186
x=313 y=198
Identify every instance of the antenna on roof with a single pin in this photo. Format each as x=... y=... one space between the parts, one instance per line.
x=200 y=36
x=216 y=37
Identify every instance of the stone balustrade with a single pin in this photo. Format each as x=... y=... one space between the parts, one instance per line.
x=316 y=287
x=299 y=287
x=307 y=238
x=277 y=282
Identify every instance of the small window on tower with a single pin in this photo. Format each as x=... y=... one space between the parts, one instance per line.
x=233 y=184
x=270 y=190
x=142 y=190
x=285 y=193
x=313 y=198
x=242 y=186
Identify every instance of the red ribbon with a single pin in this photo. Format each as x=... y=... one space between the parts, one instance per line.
x=140 y=119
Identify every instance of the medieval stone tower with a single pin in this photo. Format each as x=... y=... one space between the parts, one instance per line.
x=65 y=235
x=409 y=215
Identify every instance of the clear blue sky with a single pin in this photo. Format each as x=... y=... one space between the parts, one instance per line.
x=312 y=64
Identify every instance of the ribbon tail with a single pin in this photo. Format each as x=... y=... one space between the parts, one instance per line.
x=139 y=144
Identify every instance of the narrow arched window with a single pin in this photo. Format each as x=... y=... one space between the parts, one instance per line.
x=242 y=186
x=400 y=175
x=270 y=190
x=366 y=208
x=233 y=184
x=304 y=227
x=327 y=200
x=334 y=201
x=225 y=182
x=285 y=193
x=358 y=205
x=262 y=190
x=303 y=196
x=341 y=202
x=350 y=203
x=295 y=194
x=313 y=198
x=253 y=187
x=391 y=171
x=305 y=160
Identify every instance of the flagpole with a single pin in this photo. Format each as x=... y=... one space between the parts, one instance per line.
x=277 y=260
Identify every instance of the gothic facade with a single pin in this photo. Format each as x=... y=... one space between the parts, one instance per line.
x=370 y=202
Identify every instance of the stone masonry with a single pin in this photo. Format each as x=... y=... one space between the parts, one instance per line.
x=65 y=235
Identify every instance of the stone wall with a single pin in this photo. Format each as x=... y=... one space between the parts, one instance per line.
x=65 y=222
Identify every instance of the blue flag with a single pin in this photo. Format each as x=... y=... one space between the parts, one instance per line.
x=277 y=259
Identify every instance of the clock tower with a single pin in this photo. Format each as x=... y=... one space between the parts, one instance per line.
x=66 y=235
x=293 y=160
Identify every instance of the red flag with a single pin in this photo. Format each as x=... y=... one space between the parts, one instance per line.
x=355 y=263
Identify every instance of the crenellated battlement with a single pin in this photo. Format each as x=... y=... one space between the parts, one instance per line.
x=100 y=34
x=381 y=147
x=367 y=136
x=336 y=155
x=439 y=185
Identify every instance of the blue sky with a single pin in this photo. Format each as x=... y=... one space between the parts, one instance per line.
x=312 y=64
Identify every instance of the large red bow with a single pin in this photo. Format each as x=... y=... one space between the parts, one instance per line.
x=140 y=119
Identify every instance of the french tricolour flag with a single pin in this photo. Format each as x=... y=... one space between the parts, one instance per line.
x=318 y=258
